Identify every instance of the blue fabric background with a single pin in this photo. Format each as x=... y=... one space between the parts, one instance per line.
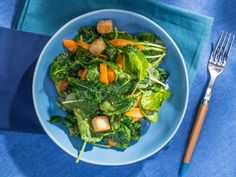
x=24 y=154
x=10 y=11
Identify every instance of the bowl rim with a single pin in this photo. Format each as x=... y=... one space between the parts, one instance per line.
x=83 y=16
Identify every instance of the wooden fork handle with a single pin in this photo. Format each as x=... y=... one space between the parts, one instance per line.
x=202 y=110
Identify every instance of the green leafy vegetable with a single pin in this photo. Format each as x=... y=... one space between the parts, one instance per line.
x=135 y=62
x=155 y=77
x=122 y=137
x=87 y=34
x=154 y=80
x=118 y=35
x=123 y=85
x=93 y=74
x=111 y=52
x=81 y=152
x=117 y=105
x=155 y=49
x=139 y=83
x=60 y=67
x=85 y=129
x=69 y=122
x=163 y=74
x=83 y=100
x=150 y=37
x=85 y=58
x=151 y=115
x=133 y=126
x=153 y=100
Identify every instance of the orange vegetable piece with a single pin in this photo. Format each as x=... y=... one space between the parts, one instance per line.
x=136 y=104
x=111 y=75
x=83 y=44
x=103 y=73
x=119 y=61
x=83 y=73
x=70 y=45
x=111 y=143
x=136 y=118
x=80 y=73
x=124 y=42
x=135 y=113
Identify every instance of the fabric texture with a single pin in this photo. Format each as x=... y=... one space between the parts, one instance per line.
x=18 y=57
x=43 y=17
x=10 y=11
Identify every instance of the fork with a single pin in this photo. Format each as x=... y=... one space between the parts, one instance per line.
x=216 y=65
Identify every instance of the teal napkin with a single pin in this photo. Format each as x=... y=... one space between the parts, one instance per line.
x=189 y=30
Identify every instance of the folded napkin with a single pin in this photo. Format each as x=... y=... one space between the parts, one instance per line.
x=18 y=54
x=10 y=12
x=20 y=50
x=188 y=30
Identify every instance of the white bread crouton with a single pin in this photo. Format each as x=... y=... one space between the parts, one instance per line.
x=100 y=123
x=97 y=47
x=104 y=26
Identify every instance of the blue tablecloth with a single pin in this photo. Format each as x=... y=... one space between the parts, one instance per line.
x=10 y=11
x=28 y=154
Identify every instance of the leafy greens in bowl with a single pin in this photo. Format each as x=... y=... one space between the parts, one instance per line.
x=108 y=81
x=102 y=83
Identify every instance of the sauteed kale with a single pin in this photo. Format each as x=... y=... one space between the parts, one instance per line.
x=107 y=82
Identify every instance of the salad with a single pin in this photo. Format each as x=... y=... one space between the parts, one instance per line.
x=108 y=81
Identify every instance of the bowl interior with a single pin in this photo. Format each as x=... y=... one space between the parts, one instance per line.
x=171 y=113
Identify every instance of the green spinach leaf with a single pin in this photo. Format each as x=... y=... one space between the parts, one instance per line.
x=135 y=62
x=151 y=115
x=154 y=80
x=153 y=100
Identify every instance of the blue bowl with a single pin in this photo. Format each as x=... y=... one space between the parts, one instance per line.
x=171 y=112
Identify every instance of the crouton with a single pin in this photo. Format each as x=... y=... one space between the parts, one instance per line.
x=100 y=123
x=104 y=26
x=97 y=47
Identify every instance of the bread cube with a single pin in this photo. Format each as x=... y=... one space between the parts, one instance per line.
x=97 y=47
x=100 y=123
x=104 y=26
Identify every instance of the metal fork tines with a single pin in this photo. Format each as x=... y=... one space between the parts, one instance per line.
x=218 y=59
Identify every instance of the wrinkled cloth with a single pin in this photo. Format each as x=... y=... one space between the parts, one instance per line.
x=10 y=11
x=19 y=52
